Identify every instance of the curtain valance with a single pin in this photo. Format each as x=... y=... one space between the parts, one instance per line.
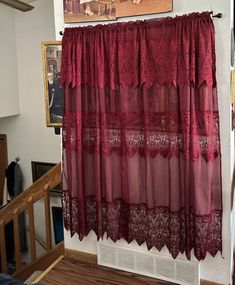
x=164 y=51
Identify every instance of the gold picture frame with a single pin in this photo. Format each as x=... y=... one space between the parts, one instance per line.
x=53 y=93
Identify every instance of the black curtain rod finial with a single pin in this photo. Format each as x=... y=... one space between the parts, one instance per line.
x=219 y=15
x=61 y=33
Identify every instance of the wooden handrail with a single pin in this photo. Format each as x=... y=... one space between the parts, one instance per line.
x=37 y=190
x=24 y=202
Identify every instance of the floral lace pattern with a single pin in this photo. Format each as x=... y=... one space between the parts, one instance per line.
x=144 y=52
x=180 y=231
x=168 y=134
x=133 y=92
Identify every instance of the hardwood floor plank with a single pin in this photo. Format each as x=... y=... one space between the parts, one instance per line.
x=81 y=256
x=74 y=272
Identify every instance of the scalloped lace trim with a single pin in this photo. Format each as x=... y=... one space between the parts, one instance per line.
x=167 y=134
x=179 y=231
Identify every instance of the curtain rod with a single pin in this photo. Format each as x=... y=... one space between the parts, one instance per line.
x=219 y=16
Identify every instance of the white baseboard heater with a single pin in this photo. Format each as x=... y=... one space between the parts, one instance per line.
x=178 y=270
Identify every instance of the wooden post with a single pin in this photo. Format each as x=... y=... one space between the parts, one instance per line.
x=3 y=248
x=32 y=230
x=48 y=220
x=17 y=239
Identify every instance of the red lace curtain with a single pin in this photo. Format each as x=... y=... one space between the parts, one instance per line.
x=141 y=144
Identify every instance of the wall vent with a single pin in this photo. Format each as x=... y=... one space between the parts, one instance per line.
x=178 y=270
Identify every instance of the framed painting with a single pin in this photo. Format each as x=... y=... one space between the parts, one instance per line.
x=53 y=93
x=39 y=169
x=142 y=7
x=101 y=10
x=89 y=11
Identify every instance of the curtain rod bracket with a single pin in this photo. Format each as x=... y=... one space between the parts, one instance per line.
x=219 y=15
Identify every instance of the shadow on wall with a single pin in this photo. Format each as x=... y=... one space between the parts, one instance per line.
x=232 y=189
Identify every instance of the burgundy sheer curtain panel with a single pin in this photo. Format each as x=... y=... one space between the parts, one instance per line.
x=141 y=143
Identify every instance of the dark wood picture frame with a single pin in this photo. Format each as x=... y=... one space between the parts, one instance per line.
x=39 y=169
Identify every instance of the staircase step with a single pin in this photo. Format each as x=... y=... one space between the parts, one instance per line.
x=34 y=276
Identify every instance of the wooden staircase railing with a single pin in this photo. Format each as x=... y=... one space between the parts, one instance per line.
x=25 y=202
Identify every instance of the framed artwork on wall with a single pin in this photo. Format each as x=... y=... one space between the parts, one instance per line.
x=39 y=169
x=106 y=10
x=127 y=8
x=53 y=93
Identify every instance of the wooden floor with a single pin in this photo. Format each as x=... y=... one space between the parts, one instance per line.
x=71 y=271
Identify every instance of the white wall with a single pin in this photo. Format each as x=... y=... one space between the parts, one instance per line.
x=8 y=70
x=27 y=133
x=216 y=269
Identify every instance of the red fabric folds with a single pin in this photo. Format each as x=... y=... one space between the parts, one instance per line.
x=170 y=50
x=141 y=141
